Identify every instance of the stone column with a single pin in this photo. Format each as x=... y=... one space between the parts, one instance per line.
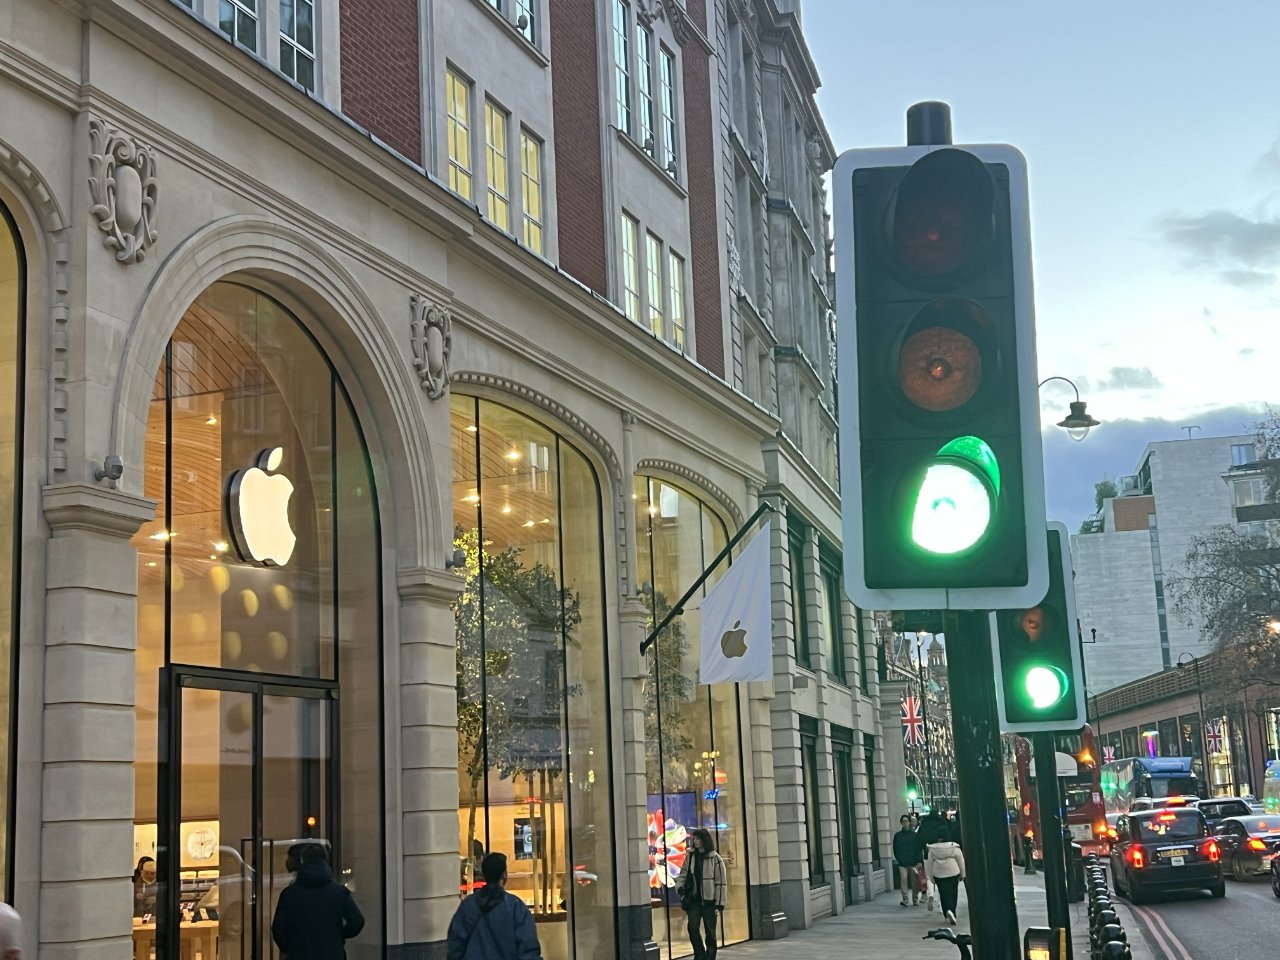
x=87 y=782
x=635 y=914
x=428 y=759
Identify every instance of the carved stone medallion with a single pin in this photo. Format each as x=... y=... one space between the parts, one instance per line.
x=124 y=191
x=432 y=339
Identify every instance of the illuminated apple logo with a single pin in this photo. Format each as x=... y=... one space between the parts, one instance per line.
x=734 y=642
x=258 y=505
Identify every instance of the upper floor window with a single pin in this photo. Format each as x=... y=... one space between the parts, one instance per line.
x=668 y=78
x=1249 y=493
x=531 y=192
x=622 y=63
x=495 y=164
x=457 y=92
x=675 y=285
x=653 y=261
x=630 y=267
x=298 y=41
x=238 y=19
x=797 y=536
x=832 y=612
x=1242 y=453
x=525 y=22
x=644 y=84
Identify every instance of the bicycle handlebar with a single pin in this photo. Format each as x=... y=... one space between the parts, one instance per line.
x=962 y=940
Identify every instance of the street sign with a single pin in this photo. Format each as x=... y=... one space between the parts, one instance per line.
x=1038 y=655
x=941 y=464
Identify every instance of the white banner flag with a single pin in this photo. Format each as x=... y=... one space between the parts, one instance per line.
x=737 y=627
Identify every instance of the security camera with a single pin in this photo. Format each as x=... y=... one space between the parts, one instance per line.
x=112 y=468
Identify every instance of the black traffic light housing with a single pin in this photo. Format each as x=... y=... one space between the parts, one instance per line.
x=1037 y=653
x=941 y=467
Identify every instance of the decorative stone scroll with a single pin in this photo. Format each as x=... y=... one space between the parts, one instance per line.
x=124 y=191
x=431 y=332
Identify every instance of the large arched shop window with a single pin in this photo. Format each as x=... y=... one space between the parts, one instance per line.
x=259 y=635
x=693 y=755
x=534 y=777
x=12 y=298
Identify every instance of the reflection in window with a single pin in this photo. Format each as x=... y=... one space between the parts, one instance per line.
x=12 y=295
x=693 y=747
x=533 y=734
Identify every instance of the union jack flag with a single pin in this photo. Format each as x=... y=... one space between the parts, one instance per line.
x=1108 y=754
x=1213 y=735
x=912 y=722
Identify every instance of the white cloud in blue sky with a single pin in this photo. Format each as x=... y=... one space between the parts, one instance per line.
x=1152 y=137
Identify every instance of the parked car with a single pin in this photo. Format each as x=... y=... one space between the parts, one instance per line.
x=1250 y=843
x=1157 y=851
x=1219 y=808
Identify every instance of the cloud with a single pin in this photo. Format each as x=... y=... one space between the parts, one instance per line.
x=1130 y=378
x=1246 y=351
x=1267 y=166
x=1244 y=251
x=1113 y=450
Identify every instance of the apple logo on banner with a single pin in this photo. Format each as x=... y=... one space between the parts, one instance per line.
x=258 y=507
x=734 y=642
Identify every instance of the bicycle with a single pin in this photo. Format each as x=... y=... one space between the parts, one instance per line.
x=962 y=940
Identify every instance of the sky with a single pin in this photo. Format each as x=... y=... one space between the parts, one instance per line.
x=1152 y=137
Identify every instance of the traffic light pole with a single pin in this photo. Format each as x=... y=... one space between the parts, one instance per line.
x=985 y=826
x=1044 y=747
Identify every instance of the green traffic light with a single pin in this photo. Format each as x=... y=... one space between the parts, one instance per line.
x=956 y=499
x=1046 y=686
x=911 y=794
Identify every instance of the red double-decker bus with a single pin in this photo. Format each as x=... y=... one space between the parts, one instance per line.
x=1080 y=791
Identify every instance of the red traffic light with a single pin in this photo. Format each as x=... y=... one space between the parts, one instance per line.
x=942 y=217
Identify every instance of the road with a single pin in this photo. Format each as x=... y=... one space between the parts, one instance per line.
x=1194 y=926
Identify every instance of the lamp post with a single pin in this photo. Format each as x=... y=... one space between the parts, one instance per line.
x=1204 y=740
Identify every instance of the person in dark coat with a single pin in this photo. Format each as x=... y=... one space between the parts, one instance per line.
x=908 y=853
x=493 y=924
x=316 y=915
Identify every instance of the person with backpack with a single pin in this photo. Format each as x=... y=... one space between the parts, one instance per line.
x=316 y=915
x=493 y=924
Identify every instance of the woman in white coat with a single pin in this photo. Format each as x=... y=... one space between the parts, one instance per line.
x=944 y=865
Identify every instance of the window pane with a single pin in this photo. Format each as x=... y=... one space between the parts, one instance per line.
x=630 y=267
x=531 y=190
x=668 y=112
x=622 y=64
x=644 y=84
x=305 y=33
x=496 y=164
x=675 y=280
x=653 y=266
x=458 y=129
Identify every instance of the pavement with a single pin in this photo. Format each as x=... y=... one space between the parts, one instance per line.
x=882 y=930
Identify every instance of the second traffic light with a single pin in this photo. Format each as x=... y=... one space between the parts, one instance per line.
x=1037 y=653
x=940 y=430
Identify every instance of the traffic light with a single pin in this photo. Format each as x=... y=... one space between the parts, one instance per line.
x=941 y=469
x=1037 y=653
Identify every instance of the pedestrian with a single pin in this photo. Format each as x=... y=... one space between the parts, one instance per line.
x=316 y=915
x=933 y=827
x=944 y=862
x=493 y=924
x=908 y=853
x=10 y=933
x=702 y=893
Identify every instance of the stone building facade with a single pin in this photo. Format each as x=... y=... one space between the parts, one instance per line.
x=378 y=369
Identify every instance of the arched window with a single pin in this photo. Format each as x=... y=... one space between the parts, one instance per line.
x=693 y=755
x=534 y=776
x=12 y=299
x=259 y=666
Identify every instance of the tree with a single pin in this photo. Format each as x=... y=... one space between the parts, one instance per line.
x=508 y=711
x=667 y=687
x=1102 y=490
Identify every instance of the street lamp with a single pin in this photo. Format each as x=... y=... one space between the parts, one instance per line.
x=1204 y=740
x=1078 y=421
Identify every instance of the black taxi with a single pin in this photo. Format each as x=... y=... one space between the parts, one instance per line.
x=1157 y=851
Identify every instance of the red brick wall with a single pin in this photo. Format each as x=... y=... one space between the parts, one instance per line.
x=704 y=216
x=576 y=83
x=381 y=88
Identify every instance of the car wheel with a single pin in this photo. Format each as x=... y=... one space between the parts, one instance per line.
x=1275 y=883
x=1220 y=890
x=1115 y=883
x=1237 y=872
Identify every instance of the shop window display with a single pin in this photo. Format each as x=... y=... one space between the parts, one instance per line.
x=259 y=641
x=12 y=294
x=533 y=730
x=693 y=736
